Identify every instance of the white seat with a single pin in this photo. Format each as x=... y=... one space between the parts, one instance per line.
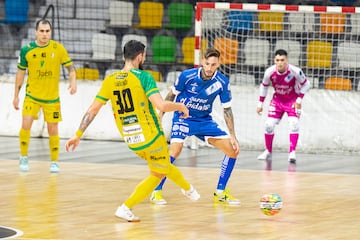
x=348 y=55
x=172 y=76
x=103 y=46
x=128 y=37
x=212 y=18
x=355 y=23
x=293 y=49
x=256 y=52
x=121 y=13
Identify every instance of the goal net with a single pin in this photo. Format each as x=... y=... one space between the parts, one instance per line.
x=322 y=40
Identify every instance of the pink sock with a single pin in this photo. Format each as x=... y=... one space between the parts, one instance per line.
x=268 y=141
x=293 y=141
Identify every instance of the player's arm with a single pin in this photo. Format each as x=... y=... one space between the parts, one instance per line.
x=229 y=120
x=72 y=75
x=19 y=81
x=169 y=97
x=304 y=87
x=88 y=117
x=168 y=106
x=263 y=90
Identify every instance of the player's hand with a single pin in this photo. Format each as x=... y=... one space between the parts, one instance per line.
x=297 y=107
x=72 y=143
x=259 y=110
x=72 y=89
x=16 y=103
x=184 y=112
x=235 y=144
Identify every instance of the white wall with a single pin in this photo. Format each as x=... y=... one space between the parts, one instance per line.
x=329 y=121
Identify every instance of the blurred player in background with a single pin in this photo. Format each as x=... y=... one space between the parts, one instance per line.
x=290 y=85
x=134 y=97
x=43 y=59
x=198 y=88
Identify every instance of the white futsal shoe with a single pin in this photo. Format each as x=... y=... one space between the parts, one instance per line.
x=125 y=213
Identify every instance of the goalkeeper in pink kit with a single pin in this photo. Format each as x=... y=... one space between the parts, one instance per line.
x=290 y=85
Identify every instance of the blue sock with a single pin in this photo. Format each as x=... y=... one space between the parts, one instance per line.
x=160 y=186
x=226 y=168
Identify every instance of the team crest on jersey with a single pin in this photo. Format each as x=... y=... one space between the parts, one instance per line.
x=193 y=88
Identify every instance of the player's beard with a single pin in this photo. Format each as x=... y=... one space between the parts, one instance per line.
x=141 y=66
x=206 y=75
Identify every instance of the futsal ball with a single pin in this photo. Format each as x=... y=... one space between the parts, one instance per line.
x=271 y=204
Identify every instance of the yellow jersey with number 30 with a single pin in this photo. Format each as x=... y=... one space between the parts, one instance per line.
x=43 y=64
x=136 y=118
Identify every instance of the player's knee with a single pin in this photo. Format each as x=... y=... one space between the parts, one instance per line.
x=269 y=127
x=294 y=125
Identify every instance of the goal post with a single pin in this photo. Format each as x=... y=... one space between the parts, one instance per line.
x=323 y=40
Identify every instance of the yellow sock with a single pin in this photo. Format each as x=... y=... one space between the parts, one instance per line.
x=177 y=177
x=54 y=143
x=142 y=190
x=24 y=138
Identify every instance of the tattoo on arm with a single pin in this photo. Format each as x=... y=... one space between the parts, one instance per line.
x=170 y=96
x=71 y=68
x=85 y=122
x=229 y=119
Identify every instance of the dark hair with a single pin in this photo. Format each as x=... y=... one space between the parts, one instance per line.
x=211 y=52
x=133 y=48
x=280 y=52
x=42 y=21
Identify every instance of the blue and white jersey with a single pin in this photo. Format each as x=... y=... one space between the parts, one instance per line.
x=199 y=95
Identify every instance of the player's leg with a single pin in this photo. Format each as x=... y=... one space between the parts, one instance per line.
x=180 y=130
x=52 y=115
x=275 y=114
x=222 y=194
x=29 y=114
x=293 y=137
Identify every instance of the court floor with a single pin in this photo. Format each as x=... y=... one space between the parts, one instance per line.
x=320 y=199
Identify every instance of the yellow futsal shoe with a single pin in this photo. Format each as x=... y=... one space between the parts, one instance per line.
x=225 y=197
x=157 y=198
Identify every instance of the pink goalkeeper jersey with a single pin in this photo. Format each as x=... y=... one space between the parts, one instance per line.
x=287 y=86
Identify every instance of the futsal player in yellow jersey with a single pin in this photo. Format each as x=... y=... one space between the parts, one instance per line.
x=135 y=97
x=43 y=59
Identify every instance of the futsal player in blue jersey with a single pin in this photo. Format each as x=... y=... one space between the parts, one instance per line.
x=198 y=88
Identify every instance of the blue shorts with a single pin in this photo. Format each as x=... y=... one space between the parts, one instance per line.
x=203 y=129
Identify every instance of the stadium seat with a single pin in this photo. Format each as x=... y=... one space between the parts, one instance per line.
x=163 y=49
x=210 y=20
x=228 y=49
x=348 y=55
x=338 y=83
x=239 y=21
x=293 y=49
x=103 y=46
x=332 y=23
x=256 y=52
x=121 y=13
x=16 y=11
x=157 y=75
x=319 y=54
x=355 y=24
x=180 y=15
x=188 y=48
x=172 y=76
x=87 y=74
x=271 y=21
x=150 y=15
x=138 y=37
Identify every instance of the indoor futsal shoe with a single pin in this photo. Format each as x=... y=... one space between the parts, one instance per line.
x=192 y=194
x=24 y=164
x=125 y=213
x=157 y=198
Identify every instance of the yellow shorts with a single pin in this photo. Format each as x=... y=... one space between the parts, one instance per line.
x=52 y=111
x=157 y=156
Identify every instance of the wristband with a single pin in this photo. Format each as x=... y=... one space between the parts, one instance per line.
x=260 y=104
x=298 y=100
x=79 y=133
